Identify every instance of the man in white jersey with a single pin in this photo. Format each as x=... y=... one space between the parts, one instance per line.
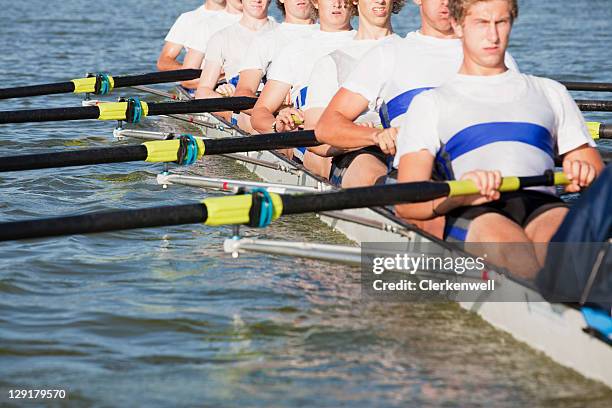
x=488 y=122
x=227 y=47
x=198 y=39
x=299 y=16
x=180 y=33
x=291 y=68
x=333 y=69
x=390 y=75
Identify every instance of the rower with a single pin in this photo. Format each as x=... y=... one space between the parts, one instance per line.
x=200 y=36
x=490 y=121
x=181 y=31
x=298 y=22
x=331 y=70
x=227 y=47
x=389 y=75
x=291 y=68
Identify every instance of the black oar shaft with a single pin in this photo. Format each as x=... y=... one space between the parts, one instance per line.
x=605 y=131
x=375 y=196
x=588 y=86
x=36 y=90
x=106 y=221
x=119 y=82
x=93 y=112
x=117 y=154
x=594 y=106
x=202 y=106
x=269 y=141
x=161 y=77
x=50 y=115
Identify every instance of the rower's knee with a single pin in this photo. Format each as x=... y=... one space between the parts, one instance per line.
x=319 y=165
x=545 y=225
x=493 y=227
x=364 y=171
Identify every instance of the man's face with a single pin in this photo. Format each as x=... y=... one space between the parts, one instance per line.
x=334 y=13
x=377 y=12
x=485 y=32
x=301 y=9
x=436 y=14
x=255 y=8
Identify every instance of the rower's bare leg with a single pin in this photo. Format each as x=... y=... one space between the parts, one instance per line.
x=244 y=123
x=495 y=229
x=542 y=228
x=319 y=165
x=435 y=226
x=363 y=171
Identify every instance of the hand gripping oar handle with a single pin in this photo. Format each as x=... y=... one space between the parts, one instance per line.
x=91 y=85
x=242 y=209
x=156 y=151
x=120 y=110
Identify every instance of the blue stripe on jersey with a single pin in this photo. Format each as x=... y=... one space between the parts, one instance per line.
x=451 y=231
x=398 y=106
x=234 y=80
x=480 y=135
x=300 y=101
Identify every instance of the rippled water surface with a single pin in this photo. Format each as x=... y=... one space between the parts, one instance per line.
x=162 y=317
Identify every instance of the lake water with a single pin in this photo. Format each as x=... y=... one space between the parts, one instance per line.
x=162 y=317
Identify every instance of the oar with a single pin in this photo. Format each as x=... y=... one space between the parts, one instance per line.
x=588 y=86
x=100 y=84
x=257 y=209
x=594 y=105
x=131 y=110
x=185 y=150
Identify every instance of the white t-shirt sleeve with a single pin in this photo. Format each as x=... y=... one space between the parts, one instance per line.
x=198 y=40
x=571 y=130
x=370 y=74
x=511 y=62
x=214 y=50
x=177 y=33
x=419 y=128
x=323 y=83
x=281 y=68
x=254 y=57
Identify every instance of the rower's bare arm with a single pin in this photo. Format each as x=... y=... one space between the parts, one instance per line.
x=208 y=80
x=311 y=118
x=582 y=165
x=271 y=98
x=248 y=83
x=167 y=57
x=336 y=127
x=193 y=60
x=416 y=167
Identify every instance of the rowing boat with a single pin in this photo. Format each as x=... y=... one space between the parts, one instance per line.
x=557 y=330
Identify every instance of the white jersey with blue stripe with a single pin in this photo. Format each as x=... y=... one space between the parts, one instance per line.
x=396 y=71
x=510 y=122
x=294 y=64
